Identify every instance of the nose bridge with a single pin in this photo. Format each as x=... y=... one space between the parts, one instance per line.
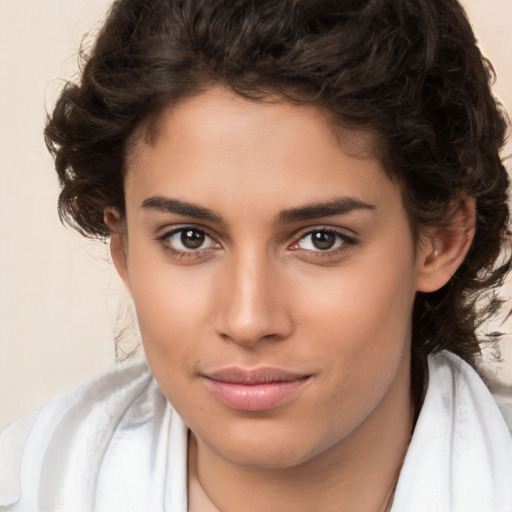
x=248 y=310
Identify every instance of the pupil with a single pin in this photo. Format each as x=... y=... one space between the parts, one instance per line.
x=192 y=239
x=323 y=240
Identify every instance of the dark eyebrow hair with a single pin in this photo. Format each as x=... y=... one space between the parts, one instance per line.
x=337 y=206
x=170 y=205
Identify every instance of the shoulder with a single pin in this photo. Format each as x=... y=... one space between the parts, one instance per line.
x=105 y=396
x=12 y=442
x=504 y=400
x=497 y=379
x=460 y=455
x=470 y=384
x=73 y=430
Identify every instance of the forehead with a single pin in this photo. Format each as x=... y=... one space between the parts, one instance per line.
x=220 y=103
x=217 y=141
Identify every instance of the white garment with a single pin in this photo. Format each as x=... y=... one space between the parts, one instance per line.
x=112 y=445
x=460 y=456
x=116 y=444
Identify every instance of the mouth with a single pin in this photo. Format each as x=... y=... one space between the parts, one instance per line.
x=258 y=389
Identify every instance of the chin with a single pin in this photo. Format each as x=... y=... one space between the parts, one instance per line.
x=266 y=448
x=271 y=458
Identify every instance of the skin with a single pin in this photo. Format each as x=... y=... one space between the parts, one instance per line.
x=257 y=291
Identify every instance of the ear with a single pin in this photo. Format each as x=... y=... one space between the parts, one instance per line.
x=118 y=249
x=442 y=250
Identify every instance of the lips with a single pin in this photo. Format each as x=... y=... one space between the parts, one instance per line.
x=259 y=389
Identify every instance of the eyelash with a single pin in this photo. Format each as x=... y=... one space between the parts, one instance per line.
x=345 y=244
x=187 y=254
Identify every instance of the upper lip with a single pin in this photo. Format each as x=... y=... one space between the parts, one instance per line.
x=260 y=375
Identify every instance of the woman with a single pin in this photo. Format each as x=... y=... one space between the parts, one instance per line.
x=305 y=201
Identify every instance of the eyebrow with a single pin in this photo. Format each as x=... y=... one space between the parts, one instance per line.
x=337 y=206
x=169 y=205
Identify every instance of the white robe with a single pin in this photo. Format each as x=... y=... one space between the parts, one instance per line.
x=115 y=444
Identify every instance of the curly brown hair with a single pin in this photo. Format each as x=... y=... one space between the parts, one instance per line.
x=409 y=71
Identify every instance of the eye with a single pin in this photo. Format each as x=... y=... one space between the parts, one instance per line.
x=190 y=238
x=320 y=241
x=323 y=243
x=188 y=241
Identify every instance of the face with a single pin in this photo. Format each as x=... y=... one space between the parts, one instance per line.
x=273 y=273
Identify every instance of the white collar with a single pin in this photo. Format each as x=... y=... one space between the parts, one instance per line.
x=460 y=456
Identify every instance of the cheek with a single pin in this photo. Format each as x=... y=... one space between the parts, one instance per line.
x=172 y=305
x=372 y=295
x=361 y=317
x=362 y=339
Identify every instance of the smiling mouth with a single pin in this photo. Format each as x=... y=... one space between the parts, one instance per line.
x=254 y=390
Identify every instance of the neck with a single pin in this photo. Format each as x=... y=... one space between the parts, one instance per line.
x=359 y=473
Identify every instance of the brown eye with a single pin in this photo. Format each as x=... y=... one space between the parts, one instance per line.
x=188 y=240
x=323 y=240
x=328 y=241
x=192 y=238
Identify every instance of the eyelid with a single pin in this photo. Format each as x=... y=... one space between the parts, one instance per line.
x=186 y=253
x=348 y=243
x=344 y=233
x=176 y=228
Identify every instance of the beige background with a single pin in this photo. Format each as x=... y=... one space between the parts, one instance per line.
x=59 y=298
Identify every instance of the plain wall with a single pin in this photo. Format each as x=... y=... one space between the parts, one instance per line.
x=60 y=301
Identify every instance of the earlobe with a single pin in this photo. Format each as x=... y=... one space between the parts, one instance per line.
x=442 y=250
x=115 y=223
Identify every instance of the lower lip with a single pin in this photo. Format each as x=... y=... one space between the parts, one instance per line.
x=254 y=397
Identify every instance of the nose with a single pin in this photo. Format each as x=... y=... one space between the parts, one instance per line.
x=252 y=302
